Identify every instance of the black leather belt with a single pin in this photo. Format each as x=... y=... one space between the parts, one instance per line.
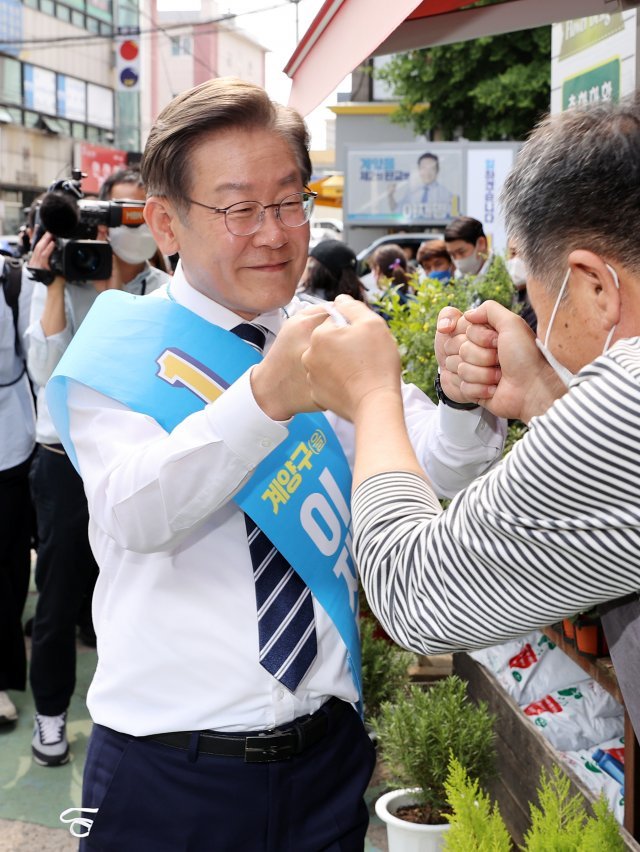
x=262 y=746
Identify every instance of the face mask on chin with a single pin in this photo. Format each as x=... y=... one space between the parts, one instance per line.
x=564 y=373
x=133 y=245
x=470 y=265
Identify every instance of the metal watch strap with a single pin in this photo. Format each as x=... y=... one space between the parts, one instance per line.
x=444 y=399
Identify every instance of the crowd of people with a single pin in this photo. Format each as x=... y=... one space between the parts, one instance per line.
x=188 y=443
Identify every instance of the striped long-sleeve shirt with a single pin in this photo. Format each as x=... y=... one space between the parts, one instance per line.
x=552 y=530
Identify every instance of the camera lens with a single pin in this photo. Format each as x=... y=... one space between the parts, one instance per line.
x=86 y=259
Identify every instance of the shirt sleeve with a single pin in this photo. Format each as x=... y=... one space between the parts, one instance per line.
x=453 y=447
x=148 y=488
x=554 y=529
x=44 y=353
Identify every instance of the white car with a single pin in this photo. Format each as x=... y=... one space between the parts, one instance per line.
x=334 y=225
x=319 y=233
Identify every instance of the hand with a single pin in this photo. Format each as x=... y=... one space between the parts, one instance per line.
x=279 y=381
x=53 y=319
x=501 y=365
x=350 y=364
x=40 y=260
x=451 y=328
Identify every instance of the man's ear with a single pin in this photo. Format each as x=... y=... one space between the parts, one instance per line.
x=592 y=275
x=482 y=246
x=160 y=215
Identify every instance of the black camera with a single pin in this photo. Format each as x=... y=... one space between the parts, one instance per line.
x=73 y=220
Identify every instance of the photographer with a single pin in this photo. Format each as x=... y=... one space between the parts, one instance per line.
x=137 y=261
x=65 y=568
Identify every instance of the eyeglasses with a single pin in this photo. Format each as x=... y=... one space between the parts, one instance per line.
x=246 y=217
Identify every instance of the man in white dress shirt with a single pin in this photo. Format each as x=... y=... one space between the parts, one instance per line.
x=197 y=743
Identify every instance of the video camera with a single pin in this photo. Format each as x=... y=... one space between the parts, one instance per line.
x=73 y=220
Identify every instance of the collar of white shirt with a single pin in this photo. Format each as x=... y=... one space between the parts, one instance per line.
x=184 y=294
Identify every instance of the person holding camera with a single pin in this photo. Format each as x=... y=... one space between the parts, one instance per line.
x=66 y=569
x=137 y=261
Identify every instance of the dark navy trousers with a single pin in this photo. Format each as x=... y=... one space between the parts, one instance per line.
x=154 y=798
x=65 y=572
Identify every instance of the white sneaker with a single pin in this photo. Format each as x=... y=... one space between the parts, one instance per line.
x=8 y=712
x=49 y=744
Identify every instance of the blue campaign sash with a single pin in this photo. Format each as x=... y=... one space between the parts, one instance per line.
x=156 y=357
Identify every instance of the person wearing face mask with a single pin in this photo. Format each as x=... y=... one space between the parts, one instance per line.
x=554 y=528
x=518 y=272
x=138 y=263
x=468 y=247
x=66 y=570
x=435 y=261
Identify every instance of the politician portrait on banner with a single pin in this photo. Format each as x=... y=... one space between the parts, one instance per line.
x=414 y=185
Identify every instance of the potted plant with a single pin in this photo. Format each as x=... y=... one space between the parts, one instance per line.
x=589 y=634
x=417 y=732
x=568 y=629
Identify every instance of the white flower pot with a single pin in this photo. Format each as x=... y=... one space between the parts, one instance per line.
x=406 y=836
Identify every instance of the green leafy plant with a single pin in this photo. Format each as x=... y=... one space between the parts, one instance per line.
x=476 y=825
x=559 y=823
x=419 y=730
x=413 y=323
x=384 y=668
x=602 y=831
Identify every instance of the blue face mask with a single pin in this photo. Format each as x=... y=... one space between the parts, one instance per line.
x=440 y=275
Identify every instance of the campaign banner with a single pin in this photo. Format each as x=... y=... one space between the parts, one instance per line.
x=487 y=169
x=414 y=185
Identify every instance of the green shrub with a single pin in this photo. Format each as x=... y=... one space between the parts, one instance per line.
x=419 y=730
x=556 y=824
x=476 y=826
x=559 y=823
x=413 y=324
x=384 y=668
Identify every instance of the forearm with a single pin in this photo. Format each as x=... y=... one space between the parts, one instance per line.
x=53 y=319
x=44 y=352
x=382 y=442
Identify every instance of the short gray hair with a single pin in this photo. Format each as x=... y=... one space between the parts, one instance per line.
x=220 y=104
x=576 y=184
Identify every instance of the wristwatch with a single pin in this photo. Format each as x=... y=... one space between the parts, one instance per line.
x=444 y=399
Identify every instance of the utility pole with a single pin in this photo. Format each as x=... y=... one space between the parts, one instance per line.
x=295 y=3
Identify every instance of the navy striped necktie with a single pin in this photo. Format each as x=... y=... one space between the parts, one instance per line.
x=286 y=624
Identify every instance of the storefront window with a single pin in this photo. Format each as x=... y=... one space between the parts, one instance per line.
x=10 y=81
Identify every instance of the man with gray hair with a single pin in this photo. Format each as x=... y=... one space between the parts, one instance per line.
x=555 y=528
x=228 y=676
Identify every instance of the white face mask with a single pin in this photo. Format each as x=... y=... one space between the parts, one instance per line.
x=470 y=265
x=133 y=245
x=563 y=372
x=517 y=270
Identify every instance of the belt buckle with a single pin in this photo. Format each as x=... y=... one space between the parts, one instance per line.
x=267 y=748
